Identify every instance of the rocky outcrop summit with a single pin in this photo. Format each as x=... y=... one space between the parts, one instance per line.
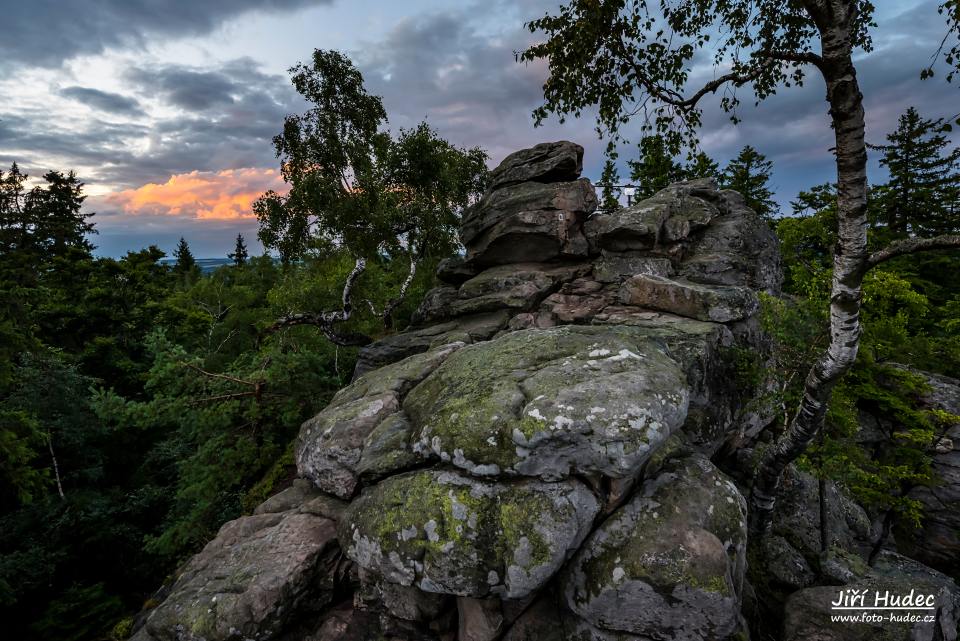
x=533 y=457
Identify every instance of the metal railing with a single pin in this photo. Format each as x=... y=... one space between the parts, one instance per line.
x=623 y=193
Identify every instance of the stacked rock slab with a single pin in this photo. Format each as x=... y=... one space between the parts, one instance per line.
x=531 y=458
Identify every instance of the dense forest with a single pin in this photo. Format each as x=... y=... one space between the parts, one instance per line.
x=143 y=404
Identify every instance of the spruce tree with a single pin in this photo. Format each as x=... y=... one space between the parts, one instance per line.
x=702 y=166
x=186 y=263
x=749 y=174
x=655 y=169
x=239 y=255
x=608 y=179
x=924 y=187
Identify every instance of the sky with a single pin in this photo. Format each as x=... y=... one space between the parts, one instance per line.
x=166 y=110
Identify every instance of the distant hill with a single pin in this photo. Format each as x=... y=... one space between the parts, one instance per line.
x=206 y=265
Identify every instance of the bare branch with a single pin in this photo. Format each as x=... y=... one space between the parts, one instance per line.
x=56 y=467
x=395 y=302
x=326 y=320
x=911 y=246
x=222 y=376
x=223 y=397
x=323 y=324
x=737 y=79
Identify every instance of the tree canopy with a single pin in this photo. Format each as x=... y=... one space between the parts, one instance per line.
x=352 y=183
x=636 y=60
x=749 y=173
x=355 y=187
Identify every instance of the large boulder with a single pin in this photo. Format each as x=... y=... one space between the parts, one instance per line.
x=330 y=445
x=552 y=402
x=937 y=541
x=655 y=224
x=721 y=304
x=466 y=329
x=528 y=222
x=445 y=532
x=670 y=563
x=514 y=287
x=250 y=579
x=530 y=459
x=812 y=614
x=548 y=162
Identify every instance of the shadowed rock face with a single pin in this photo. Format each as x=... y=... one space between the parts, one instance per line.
x=531 y=458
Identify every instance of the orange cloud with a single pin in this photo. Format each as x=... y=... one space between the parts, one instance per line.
x=206 y=195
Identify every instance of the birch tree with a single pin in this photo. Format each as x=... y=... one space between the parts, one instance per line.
x=633 y=60
x=353 y=186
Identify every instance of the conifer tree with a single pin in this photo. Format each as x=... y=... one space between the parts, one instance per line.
x=655 y=168
x=609 y=178
x=239 y=255
x=924 y=187
x=749 y=174
x=186 y=263
x=702 y=166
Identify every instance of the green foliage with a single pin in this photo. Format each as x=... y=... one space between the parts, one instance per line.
x=909 y=313
x=702 y=166
x=749 y=174
x=922 y=195
x=355 y=186
x=634 y=59
x=239 y=255
x=608 y=178
x=186 y=267
x=79 y=614
x=655 y=169
x=167 y=410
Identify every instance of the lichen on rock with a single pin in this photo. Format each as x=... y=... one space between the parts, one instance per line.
x=445 y=532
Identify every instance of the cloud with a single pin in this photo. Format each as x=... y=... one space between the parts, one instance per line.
x=47 y=32
x=460 y=74
x=225 y=195
x=103 y=100
x=187 y=88
x=202 y=118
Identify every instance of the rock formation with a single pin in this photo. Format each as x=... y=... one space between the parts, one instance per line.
x=531 y=459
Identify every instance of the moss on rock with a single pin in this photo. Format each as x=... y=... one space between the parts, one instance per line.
x=551 y=402
x=444 y=532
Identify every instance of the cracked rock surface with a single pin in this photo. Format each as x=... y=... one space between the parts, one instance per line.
x=531 y=458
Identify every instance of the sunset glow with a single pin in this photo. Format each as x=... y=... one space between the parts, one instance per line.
x=203 y=195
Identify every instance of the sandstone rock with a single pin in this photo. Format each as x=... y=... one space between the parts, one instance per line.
x=530 y=221
x=542 y=621
x=435 y=306
x=455 y=270
x=248 y=581
x=670 y=563
x=445 y=532
x=521 y=287
x=551 y=402
x=737 y=248
x=809 y=615
x=720 y=304
x=615 y=267
x=329 y=446
x=409 y=603
x=394 y=348
x=387 y=449
x=529 y=460
x=797 y=517
x=341 y=623
x=546 y=163
x=480 y=619
x=671 y=215
x=937 y=542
